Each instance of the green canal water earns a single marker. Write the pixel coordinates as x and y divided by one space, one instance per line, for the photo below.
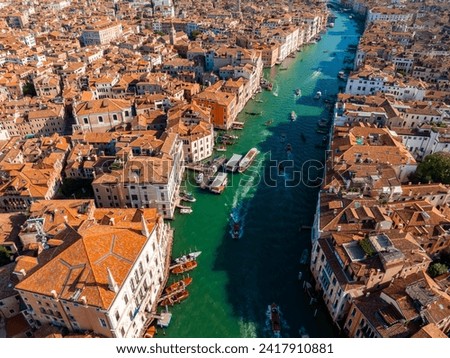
236 280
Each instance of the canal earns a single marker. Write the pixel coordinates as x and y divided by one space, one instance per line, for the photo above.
236 280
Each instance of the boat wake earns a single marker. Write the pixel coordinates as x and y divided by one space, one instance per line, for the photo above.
275 89
316 74
247 329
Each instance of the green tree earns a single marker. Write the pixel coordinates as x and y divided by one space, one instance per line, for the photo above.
5 256
437 269
29 90
435 168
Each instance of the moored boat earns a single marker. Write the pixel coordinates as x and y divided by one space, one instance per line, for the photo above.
275 319
233 162
318 95
185 196
186 210
268 122
252 113
176 298
298 92
199 178
189 257
179 285
247 160
219 183
221 148
187 266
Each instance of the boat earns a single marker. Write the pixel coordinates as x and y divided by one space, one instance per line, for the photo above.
199 178
186 210
298 92
233 162
350 16
236 232
283 68
293 116
175 298
341 75
268 122
221 148
219 183
150 332
259 100
237 125
253 113
187 266
318 95
331 24
247 160
186 258
187 197
179 285
288 147
275 319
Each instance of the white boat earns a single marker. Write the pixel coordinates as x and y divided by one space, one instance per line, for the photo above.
293 116
318 95
232 164
185 210
189 257
199 178
219 183
298 92
331 24
187 197
247 160
341 75
221 148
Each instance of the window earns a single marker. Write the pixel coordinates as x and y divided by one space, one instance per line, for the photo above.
125 298
114 117
117 315
122 332
103 322
85 120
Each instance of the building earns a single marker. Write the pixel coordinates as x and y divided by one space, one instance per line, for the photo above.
101 33
106 278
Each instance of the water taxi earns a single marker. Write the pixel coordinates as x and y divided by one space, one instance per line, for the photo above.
245 162
221 148
275 319
185 196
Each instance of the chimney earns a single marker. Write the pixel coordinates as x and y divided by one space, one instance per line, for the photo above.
83 300
144 229
112 285
111 222
54 294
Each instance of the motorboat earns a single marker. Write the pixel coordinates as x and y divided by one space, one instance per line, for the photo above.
236 231
219 183
221 148
275 319
298 92
187 197
186 258
318 95
199 178
186 210
293 116
245 162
